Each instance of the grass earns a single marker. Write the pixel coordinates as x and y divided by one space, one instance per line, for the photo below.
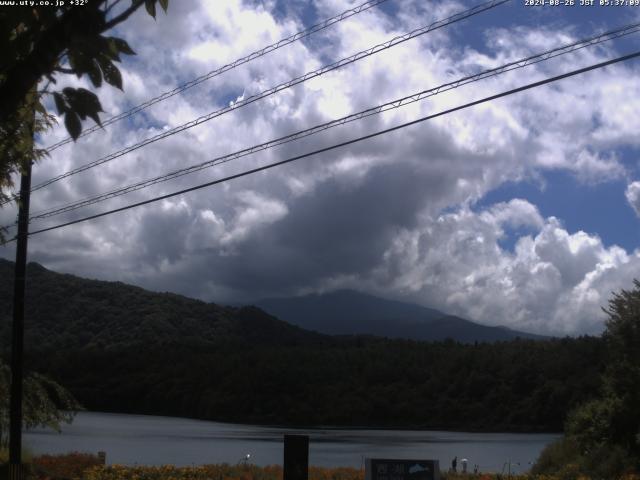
84 466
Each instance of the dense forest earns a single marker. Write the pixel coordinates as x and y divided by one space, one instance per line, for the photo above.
516 386
120 348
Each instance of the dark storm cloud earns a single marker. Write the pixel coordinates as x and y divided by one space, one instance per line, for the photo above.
342 228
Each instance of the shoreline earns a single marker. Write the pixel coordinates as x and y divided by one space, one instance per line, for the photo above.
421 428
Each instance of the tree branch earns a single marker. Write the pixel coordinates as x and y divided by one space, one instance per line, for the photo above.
123 16
108 9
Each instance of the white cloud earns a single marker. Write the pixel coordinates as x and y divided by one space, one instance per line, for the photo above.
254 211
371 213
553 282
633 196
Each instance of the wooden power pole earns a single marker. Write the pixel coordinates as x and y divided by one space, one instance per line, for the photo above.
17 333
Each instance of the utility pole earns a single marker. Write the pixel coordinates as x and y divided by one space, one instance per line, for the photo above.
17 334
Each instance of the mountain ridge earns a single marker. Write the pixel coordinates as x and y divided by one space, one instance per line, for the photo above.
67 311
350 312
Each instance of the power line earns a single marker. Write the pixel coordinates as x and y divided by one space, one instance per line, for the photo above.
397 103
349 142
236 63
265 93
619 32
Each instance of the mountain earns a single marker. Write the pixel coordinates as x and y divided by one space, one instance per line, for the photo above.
68 312
347 312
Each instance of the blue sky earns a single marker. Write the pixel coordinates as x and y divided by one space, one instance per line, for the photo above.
521 212
595 207
600 209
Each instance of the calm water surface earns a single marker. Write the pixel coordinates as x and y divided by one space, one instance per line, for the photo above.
150 440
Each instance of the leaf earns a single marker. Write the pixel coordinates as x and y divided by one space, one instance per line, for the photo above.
60 105
113 77
122 46
112 50
39 107
165 5
95 117
89 45
72 122
95 74
88 104
74 61
111 73
79 62
150 5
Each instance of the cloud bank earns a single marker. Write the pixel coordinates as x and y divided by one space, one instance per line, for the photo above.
397 215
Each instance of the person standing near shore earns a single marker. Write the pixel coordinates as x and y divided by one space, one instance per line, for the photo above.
454 464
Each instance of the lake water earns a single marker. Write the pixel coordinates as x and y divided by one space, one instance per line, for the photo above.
150 440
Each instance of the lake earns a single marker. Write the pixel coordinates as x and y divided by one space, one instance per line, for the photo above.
151 440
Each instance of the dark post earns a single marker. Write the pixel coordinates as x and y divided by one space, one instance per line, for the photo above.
17 341
296 457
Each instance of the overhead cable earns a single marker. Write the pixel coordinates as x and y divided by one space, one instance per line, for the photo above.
343 144
397 103
236 63
265 93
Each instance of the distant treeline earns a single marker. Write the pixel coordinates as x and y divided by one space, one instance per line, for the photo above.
509 386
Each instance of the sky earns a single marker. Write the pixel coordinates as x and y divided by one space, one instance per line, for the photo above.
523 211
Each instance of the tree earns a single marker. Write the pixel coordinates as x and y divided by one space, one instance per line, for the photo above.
41 42
622 377
603 434
45 403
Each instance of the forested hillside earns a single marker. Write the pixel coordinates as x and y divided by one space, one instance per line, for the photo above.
69 312
123 349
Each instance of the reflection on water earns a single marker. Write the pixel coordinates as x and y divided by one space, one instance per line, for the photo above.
149 440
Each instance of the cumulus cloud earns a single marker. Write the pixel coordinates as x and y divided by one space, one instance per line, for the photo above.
633 196
553 282
393 215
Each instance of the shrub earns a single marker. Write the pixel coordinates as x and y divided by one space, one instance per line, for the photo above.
69 465
563 460
556 456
